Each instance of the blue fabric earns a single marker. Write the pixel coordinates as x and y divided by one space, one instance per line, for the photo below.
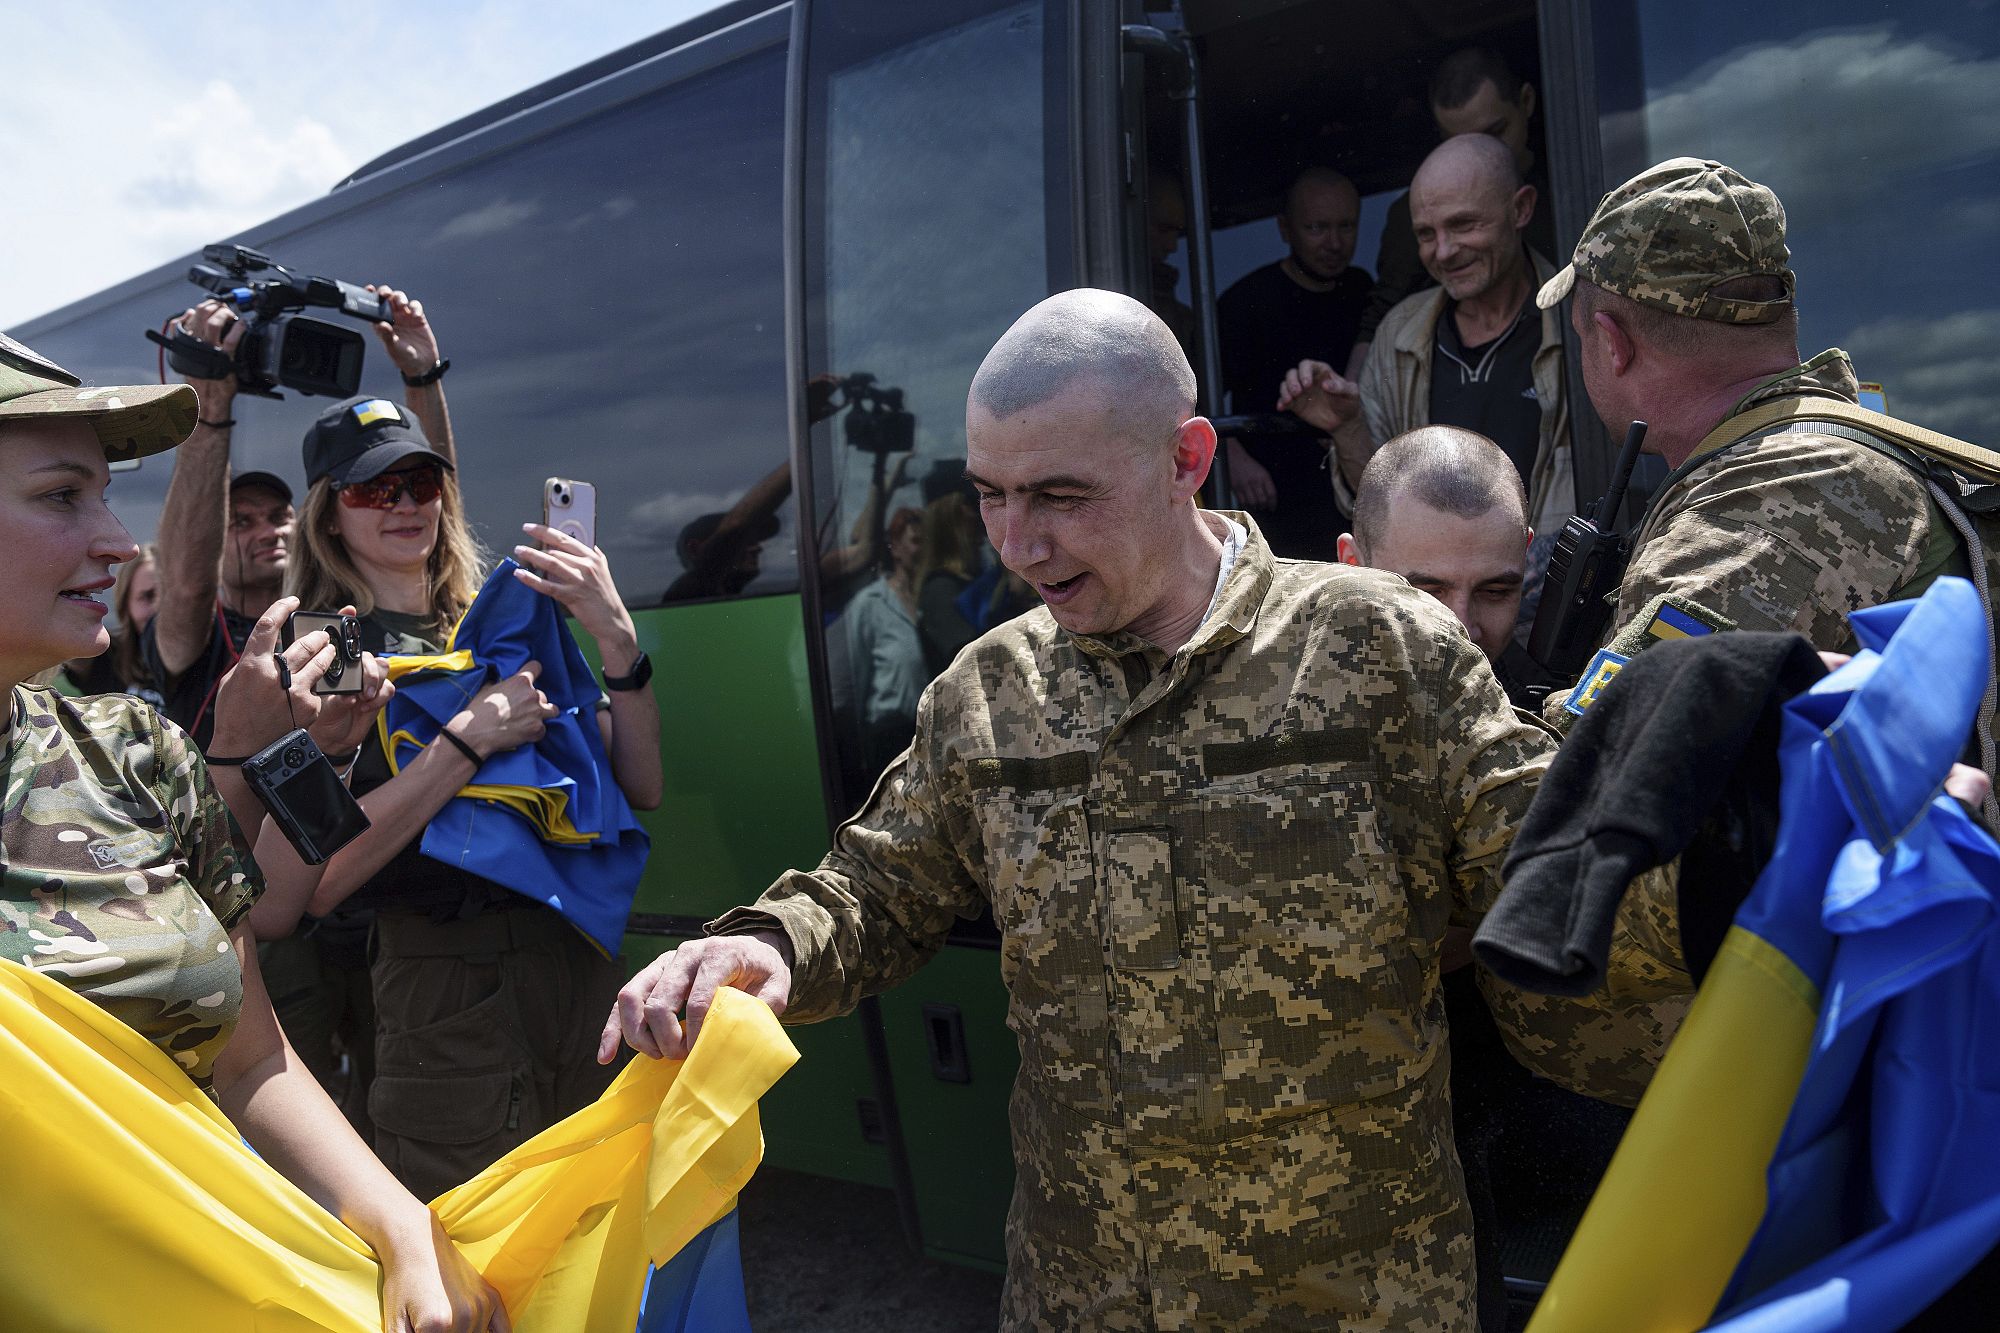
1885 1186
592 885
701 1288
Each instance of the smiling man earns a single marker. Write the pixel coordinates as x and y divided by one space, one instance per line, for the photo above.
1223 808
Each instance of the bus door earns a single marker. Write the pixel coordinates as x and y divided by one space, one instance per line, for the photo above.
932 201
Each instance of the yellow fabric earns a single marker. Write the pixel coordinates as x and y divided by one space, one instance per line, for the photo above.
1686 1187
546 809
402 664
129 1202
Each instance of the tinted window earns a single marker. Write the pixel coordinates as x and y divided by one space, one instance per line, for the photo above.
611 296
931 210
1879 128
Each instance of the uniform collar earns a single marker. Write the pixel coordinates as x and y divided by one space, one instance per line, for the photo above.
1234 612
1828 375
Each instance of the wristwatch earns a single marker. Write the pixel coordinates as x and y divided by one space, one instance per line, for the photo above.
635 679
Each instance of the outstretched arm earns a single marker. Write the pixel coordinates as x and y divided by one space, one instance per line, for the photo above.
196 513
413 347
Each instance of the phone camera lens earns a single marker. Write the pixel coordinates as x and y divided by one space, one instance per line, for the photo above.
295 756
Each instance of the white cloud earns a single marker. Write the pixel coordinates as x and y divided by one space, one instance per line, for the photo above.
141 151
1822 119
1938 372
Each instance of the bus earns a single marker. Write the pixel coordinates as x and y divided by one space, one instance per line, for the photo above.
739 276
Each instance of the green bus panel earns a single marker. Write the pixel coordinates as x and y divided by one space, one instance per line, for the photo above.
743 804
955 1133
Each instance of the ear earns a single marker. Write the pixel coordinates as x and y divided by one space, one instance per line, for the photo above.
1523 205
1349 550
1525 99
1194 453
1285 229
1617 343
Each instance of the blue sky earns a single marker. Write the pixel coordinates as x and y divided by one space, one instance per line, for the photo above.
138 132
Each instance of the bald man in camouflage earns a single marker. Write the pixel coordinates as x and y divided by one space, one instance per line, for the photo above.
1223 808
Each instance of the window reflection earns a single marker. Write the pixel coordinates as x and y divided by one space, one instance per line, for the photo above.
1879 128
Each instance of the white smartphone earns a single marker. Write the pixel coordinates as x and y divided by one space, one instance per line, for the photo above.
570 507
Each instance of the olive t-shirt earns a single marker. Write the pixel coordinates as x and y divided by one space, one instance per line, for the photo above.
121 870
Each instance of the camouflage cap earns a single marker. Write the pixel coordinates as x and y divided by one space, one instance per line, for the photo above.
1673 233
132 421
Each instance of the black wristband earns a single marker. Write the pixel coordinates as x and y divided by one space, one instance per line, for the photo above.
223 424
635 679
464 749
431 376
228 761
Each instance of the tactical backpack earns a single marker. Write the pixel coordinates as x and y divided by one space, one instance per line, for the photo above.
1964 483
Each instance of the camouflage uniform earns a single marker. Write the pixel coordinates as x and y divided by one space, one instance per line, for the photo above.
123 869
1222 878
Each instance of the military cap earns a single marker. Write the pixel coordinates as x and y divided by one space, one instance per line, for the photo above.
1673 233
132 421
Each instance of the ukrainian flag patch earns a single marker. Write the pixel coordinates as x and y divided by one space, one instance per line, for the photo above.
374 410
1670 622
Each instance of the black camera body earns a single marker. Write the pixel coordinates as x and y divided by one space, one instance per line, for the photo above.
344 676
280 345
876 420
306 798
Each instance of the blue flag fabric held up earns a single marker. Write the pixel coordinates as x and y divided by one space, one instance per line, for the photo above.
546 820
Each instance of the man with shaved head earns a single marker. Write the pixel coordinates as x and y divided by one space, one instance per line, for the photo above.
1304 306
1473 351
1222 808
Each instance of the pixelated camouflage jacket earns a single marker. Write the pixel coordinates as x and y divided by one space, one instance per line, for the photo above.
1222 878
123 869
1793 531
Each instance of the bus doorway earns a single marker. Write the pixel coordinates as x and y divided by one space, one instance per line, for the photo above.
1289 93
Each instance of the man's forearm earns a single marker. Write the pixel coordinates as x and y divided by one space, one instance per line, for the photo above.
192 523
426 403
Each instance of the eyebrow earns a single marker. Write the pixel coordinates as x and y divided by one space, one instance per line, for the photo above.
68 468
1508 580
1058 483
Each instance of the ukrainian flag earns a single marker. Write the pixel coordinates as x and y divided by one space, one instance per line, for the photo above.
1820 1149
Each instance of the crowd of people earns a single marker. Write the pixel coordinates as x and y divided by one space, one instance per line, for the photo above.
1234 791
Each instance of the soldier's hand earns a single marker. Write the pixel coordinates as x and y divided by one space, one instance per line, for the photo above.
686 979
1250 479
1319 395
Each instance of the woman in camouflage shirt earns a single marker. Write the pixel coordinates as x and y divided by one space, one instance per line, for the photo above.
122 874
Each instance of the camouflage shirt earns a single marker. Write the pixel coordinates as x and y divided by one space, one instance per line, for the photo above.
1222 878
123 869
1790 532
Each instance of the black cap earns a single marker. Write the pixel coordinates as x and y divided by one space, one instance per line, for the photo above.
270 481
357 439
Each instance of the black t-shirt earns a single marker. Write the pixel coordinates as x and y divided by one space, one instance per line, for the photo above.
1268 324
1490 387
190 699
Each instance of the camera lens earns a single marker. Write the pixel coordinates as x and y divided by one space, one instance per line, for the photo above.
295 756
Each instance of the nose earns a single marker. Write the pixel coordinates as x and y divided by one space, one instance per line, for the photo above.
113 543
1460 605
1019 537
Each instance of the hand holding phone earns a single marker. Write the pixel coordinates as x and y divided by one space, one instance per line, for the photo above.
570 507
345 675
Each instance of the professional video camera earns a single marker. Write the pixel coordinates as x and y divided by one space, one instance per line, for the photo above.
279 345
877 423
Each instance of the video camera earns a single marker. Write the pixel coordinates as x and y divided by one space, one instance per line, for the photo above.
877 423
279 345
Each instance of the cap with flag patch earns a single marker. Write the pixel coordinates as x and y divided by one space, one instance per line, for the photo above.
356 439
131 421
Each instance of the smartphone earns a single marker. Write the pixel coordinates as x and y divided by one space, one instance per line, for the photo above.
306 798
570 507
344 676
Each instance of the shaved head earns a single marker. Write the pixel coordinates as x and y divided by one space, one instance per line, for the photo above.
1471 163
1317 178
1449 469
1102 342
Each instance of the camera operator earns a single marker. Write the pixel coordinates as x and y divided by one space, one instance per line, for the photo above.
225 544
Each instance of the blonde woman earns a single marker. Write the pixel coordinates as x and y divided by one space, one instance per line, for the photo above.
487 1003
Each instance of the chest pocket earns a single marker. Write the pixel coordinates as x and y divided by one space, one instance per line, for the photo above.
1319 989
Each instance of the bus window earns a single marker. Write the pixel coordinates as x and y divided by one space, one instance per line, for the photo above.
930 214
1879 128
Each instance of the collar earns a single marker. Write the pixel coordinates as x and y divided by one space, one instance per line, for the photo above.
1828 375
1230 616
